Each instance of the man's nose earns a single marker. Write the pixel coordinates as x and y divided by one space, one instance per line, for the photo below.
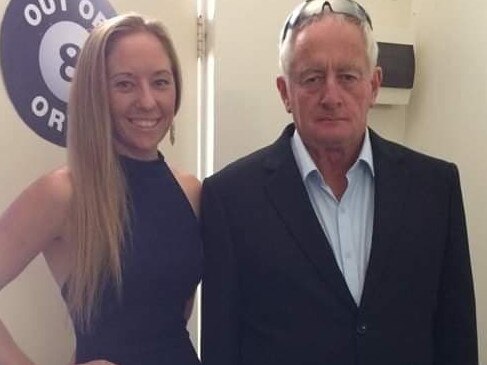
331 92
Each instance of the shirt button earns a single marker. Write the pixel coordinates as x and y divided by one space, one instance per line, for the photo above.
362 329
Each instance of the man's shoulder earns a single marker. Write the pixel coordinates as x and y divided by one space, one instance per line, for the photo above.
382 147
244 168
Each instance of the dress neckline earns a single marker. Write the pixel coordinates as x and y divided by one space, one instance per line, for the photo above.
147 168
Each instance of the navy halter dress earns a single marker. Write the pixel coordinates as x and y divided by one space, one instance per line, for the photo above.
162 266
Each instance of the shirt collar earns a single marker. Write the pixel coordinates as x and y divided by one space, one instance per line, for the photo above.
306 164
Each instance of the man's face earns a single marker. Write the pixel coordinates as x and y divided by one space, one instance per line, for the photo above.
330 85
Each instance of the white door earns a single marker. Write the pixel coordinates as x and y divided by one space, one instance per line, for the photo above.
249 114
31 305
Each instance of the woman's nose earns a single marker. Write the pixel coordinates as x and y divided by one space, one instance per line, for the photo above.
146 99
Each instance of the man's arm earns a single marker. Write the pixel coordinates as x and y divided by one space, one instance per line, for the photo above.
455 320
220 298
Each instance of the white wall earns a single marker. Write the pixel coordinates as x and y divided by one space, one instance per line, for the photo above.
248 108
447 116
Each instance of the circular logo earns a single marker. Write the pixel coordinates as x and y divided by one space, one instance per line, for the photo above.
40 42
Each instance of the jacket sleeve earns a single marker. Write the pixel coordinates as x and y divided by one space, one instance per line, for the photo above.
220 295
455 329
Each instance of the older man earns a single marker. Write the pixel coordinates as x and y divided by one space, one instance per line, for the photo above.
333 245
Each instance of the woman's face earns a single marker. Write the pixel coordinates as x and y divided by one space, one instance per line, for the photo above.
142 94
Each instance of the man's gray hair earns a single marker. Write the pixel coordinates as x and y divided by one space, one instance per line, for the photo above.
286 46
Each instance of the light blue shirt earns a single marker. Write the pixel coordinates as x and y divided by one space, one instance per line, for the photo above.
347 223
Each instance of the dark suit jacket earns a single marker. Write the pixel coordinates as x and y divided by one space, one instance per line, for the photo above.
274 295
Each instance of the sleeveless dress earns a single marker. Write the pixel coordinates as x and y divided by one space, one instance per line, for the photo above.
162 266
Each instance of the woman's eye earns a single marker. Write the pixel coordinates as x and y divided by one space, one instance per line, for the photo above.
124 85
162 83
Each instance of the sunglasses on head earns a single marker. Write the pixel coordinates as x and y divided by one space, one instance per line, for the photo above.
313 7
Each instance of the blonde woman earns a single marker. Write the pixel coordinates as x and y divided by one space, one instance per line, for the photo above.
117 226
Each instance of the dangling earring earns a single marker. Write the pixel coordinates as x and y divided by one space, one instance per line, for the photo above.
172 134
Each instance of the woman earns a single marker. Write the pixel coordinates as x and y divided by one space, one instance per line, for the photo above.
117 227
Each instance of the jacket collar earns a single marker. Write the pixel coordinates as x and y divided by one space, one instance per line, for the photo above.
287 194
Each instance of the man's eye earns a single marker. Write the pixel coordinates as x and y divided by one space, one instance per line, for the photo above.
311 80
348 77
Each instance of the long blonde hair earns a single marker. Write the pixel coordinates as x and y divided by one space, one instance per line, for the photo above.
99 219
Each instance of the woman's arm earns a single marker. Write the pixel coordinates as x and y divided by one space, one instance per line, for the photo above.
192 189
32 224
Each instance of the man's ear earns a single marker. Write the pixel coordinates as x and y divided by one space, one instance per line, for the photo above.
375 81
282 87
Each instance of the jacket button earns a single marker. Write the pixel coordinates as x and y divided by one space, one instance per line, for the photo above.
362 329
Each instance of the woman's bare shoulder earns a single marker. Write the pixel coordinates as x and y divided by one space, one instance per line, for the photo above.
191 187
56 185
51 193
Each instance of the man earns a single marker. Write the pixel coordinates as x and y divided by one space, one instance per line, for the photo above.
333 245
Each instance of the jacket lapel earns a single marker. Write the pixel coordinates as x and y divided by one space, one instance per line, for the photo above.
288 195
391 184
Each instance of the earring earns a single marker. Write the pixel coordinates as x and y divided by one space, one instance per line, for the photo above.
172 134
